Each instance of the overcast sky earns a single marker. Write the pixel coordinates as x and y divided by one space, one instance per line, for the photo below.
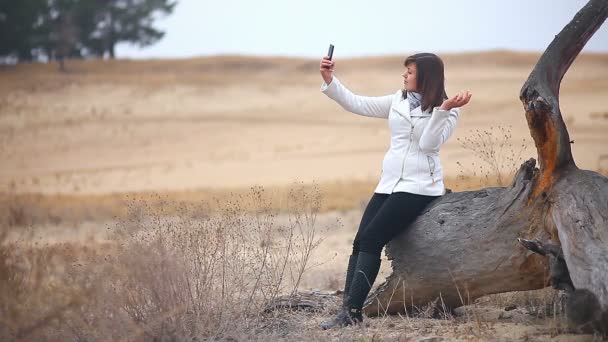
360 27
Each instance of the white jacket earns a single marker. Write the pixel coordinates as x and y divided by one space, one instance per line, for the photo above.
412 162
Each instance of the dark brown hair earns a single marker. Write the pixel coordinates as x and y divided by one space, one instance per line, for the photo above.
430 79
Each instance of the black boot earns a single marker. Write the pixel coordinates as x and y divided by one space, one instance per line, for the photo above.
366 271
343 318
350 271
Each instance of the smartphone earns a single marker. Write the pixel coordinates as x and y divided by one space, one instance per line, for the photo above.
330 53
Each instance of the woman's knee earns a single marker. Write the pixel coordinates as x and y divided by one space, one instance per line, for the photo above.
370 246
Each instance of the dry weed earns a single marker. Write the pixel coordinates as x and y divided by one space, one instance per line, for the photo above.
499 154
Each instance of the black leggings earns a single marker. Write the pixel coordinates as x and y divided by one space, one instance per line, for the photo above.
385 217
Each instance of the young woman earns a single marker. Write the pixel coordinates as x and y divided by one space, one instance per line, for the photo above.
421 118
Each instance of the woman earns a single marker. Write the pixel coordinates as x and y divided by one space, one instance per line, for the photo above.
421 118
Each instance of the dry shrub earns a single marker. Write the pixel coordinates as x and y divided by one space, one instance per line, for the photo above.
598 115
197 275
602 164
35 291
499 154
25 210
15 211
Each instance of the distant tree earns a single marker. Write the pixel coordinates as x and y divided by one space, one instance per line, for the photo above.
66 39
63 30
89 20
60 29
124 21
23 30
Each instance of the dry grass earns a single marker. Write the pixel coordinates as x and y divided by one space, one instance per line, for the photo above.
193 273
198 275
33 209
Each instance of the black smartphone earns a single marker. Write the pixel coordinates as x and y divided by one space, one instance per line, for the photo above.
330 54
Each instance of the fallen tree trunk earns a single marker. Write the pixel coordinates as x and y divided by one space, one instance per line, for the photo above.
465 245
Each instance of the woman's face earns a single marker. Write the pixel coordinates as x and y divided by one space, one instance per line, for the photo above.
409 78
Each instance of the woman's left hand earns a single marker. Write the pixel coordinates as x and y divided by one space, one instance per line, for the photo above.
458 100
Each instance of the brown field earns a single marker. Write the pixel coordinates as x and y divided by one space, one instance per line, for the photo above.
85 150
231 122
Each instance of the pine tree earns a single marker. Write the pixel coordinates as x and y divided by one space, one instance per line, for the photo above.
126 21
59 29
22 28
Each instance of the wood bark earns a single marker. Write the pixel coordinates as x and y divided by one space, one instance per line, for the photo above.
464 245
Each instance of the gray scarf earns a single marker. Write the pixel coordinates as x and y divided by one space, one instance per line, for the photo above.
415 99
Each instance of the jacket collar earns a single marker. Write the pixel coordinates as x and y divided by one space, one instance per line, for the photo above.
403 108
418 112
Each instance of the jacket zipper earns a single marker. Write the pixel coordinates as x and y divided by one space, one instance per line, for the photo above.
431 168
405 157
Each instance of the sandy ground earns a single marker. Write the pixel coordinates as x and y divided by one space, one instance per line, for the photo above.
231 122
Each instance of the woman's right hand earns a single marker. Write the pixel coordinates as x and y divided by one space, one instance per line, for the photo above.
327 68
458 100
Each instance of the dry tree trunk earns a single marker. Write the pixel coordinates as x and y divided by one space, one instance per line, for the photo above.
465 245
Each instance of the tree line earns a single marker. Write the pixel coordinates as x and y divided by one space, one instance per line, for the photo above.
57 29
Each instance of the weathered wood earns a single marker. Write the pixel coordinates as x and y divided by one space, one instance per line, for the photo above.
540 93
580 213
465 245
577 199
559 276
307 301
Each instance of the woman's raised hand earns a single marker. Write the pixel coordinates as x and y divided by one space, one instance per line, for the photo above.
327 67
458 100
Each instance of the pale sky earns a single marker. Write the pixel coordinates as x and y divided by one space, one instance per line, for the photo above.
360 27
